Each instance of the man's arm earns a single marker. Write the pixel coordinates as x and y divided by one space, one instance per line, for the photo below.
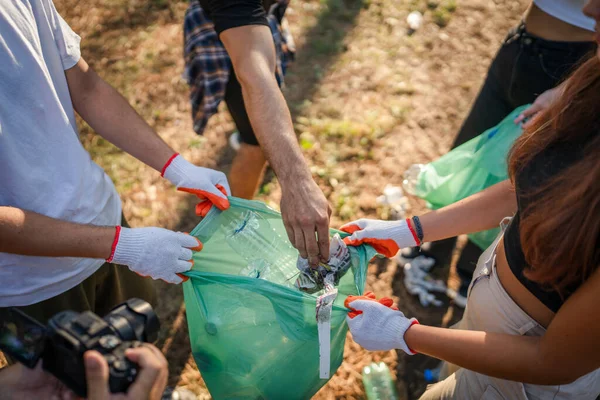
155 252
304 208
29 233
111 116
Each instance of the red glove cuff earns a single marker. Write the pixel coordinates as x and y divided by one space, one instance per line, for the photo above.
414 322
169 161
412 231
114 243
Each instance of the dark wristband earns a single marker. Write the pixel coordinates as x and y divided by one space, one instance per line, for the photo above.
418 228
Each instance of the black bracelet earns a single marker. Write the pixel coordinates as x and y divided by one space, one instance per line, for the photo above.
418 228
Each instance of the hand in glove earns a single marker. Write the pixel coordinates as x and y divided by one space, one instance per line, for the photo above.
377 326
386 301
386 237
155 252
210 186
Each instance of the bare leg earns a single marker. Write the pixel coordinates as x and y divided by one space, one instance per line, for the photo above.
247 171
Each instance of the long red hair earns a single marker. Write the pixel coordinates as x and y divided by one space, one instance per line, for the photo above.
561 228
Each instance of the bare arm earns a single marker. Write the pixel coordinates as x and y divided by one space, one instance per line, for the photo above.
303 205
569 349
479 212
111 116
476 213
32 234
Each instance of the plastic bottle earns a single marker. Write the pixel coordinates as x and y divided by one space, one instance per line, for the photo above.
411 178
268 255
258 269
378 382
394 198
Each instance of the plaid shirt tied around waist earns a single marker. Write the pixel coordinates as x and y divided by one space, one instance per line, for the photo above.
207 64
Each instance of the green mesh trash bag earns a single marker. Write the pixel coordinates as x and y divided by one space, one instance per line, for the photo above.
253 333
470 168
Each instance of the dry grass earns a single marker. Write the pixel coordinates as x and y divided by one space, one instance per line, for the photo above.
367 98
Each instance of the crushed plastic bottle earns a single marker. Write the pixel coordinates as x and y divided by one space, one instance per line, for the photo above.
378 382
263 255
411 178
393 197
314 279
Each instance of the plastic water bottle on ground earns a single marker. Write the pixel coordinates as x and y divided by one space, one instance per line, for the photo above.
378 382
394 198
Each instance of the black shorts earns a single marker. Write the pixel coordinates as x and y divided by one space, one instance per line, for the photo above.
237 109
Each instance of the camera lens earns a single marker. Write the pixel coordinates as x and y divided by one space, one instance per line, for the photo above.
134 320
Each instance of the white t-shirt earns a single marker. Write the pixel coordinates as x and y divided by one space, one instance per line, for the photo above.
569 11
43 166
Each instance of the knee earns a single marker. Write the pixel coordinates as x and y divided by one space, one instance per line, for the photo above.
251 153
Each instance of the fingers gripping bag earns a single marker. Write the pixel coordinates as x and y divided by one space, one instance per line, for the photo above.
251 306
469 168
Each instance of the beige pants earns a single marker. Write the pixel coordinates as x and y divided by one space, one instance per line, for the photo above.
491 309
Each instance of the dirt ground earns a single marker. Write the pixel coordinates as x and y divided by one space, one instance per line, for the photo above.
368 99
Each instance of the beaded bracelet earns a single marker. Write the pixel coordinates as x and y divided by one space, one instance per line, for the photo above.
418 227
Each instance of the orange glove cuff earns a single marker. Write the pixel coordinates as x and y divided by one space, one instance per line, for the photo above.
208 199
369 296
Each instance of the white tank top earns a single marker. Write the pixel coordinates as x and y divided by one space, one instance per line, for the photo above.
568 11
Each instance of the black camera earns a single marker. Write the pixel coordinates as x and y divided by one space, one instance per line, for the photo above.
68 335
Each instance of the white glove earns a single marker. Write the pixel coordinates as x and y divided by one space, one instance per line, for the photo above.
386 237
209 185
155 252
379 328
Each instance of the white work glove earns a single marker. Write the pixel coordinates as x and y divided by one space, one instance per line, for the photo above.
386 237
208 185
155 252
378 327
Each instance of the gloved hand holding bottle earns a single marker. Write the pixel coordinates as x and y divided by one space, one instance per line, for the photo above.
377 325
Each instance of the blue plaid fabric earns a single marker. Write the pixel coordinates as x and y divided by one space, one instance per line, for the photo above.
207 64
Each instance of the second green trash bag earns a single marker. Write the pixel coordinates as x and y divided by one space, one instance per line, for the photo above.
469 169
253 333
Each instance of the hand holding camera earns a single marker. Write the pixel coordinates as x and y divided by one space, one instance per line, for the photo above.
20 382
150 381
89 354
